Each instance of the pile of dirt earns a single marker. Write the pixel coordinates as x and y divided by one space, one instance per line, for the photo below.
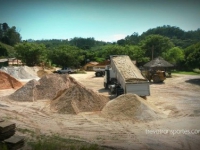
41 73
21 72
8 82
46 88
130 107
78 99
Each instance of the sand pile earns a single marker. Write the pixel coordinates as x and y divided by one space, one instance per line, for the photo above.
130 107
22 72
77 99
41 73
46 88
7 81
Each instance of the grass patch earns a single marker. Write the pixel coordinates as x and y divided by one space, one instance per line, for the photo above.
56 142
186 72
26 131
3 146
80 72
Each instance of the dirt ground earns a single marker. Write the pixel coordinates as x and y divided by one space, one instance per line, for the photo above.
178 98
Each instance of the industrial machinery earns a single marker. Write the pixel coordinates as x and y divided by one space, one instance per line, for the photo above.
99 71
122 77
155 75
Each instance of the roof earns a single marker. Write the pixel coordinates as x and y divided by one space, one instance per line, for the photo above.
92 63
158 62
104 63
4 60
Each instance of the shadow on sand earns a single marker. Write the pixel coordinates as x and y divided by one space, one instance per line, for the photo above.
194 81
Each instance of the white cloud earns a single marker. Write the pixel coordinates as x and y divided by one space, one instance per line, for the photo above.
118 36
112 38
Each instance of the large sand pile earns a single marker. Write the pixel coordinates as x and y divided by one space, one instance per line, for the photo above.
45 88
22 72
130 107
77 99
7 81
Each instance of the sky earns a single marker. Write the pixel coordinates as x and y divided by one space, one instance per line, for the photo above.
105 20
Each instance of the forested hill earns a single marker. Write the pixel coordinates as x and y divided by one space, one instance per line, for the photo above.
178 36
179 47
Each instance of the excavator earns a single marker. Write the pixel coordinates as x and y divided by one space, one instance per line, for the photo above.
156 75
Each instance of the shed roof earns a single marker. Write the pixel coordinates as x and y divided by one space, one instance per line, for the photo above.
3 60
158 62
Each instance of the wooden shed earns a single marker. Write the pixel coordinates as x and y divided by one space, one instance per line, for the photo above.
89 66
4 62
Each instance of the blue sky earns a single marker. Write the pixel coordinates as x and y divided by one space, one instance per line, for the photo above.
106 20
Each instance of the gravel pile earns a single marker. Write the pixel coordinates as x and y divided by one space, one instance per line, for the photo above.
22 72
130 107
45 88
77 99
8 82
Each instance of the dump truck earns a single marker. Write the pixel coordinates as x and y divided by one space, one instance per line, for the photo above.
122 77
99 71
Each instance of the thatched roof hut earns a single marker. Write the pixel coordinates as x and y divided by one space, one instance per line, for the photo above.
158 62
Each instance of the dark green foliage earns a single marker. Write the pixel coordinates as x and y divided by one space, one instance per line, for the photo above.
58 143
133 39
83 43
166 41
174 55
155 45
192 56
9 35
66 56
3 51
30 53
178 36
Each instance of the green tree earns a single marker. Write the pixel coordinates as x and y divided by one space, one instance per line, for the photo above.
132 39
155 45
192 55
3 51
136 53
66 56
30 53
174 55
121 42
82 43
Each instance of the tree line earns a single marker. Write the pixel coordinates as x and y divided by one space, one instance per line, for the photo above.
179 47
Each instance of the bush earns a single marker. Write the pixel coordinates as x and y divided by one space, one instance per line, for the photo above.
56 142
196 70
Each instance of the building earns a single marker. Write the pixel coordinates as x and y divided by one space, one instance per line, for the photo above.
4 62
89 66
10 62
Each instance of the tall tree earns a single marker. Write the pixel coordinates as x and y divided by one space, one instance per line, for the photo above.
155 45
174 55
30 53
193 56
66 56
3 51
9 35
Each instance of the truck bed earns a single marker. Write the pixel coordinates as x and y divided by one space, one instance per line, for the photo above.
125 67
129 76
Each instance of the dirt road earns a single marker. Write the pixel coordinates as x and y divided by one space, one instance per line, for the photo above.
178 98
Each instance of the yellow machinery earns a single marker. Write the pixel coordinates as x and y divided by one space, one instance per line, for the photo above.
155 75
